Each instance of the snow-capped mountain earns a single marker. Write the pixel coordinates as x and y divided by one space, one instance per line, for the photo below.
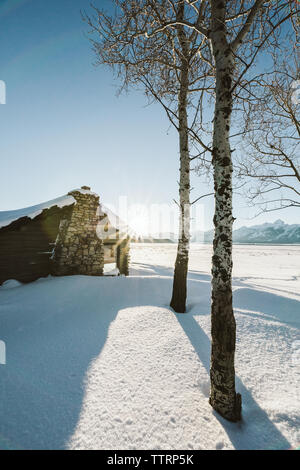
277 232
272 233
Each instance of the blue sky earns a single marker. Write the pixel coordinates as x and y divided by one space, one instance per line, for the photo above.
63 126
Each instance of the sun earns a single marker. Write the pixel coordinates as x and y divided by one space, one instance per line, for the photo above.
139 223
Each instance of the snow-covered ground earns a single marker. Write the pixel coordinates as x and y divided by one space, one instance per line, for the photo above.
103 363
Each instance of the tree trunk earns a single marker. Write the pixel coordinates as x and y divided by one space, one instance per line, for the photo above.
223 397
179 294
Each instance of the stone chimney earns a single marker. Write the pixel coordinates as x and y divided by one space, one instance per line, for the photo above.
78 250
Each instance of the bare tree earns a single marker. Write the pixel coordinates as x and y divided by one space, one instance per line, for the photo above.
239 31
236 31
168 66
231 33
272 137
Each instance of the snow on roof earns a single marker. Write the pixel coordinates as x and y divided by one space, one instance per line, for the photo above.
7 217
85 191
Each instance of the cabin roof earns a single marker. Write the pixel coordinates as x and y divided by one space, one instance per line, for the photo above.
7 217
107 216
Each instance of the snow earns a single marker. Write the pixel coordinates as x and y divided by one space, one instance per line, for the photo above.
10 284
104 363
85 191
7 217
110 269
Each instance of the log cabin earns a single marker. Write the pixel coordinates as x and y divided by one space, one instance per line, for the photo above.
73 234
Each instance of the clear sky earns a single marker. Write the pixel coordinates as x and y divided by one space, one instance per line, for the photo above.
63 126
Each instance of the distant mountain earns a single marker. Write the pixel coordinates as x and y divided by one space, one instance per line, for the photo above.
273 233
270 233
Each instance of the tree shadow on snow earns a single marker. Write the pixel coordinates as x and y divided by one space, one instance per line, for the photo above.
54 329
161 270
255 430
272 306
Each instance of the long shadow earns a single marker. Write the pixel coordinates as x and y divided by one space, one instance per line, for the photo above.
161 270
274 306
256 430
53 329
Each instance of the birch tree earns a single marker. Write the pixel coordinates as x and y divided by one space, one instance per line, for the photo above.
236 32
239 31
167 65
232 34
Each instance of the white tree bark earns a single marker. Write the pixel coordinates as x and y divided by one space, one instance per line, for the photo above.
179 293
223 397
